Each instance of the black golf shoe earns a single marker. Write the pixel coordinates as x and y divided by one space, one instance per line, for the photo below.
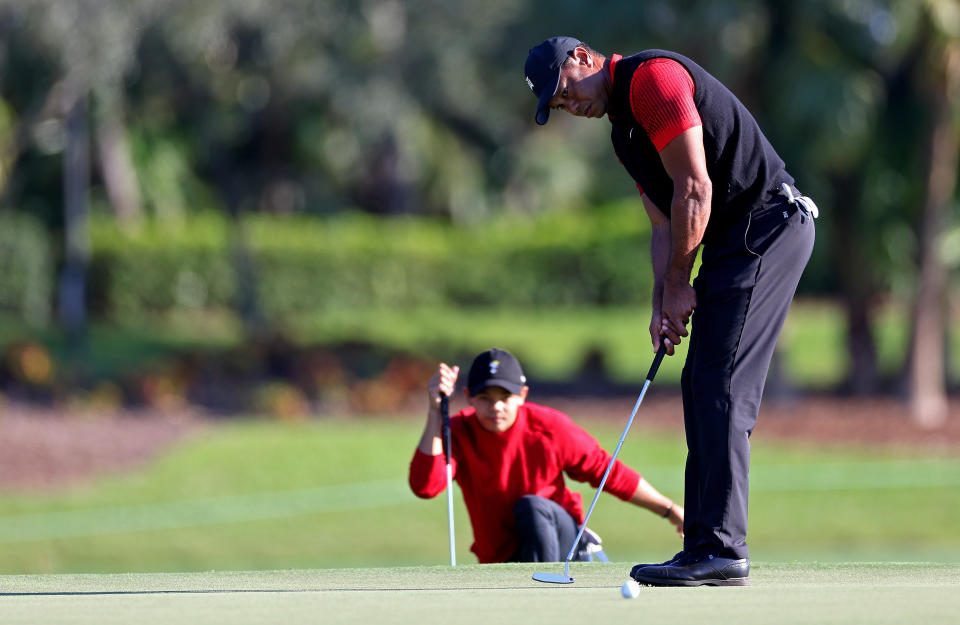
703 570
672 560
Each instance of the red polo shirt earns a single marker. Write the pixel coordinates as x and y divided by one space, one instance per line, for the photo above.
495 469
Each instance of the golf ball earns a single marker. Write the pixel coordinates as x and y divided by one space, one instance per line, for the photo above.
630 589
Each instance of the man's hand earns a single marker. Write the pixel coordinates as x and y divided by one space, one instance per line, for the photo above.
656 332
679 300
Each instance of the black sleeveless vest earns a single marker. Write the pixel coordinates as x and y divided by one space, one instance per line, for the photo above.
745 170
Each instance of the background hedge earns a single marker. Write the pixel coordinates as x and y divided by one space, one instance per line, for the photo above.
298 266
26 268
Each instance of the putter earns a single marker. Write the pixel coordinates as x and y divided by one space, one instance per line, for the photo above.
445 414
557 578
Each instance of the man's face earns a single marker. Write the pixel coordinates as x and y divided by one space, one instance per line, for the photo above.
496 407
581 89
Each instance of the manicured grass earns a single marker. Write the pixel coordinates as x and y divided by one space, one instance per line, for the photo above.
847 594
332 493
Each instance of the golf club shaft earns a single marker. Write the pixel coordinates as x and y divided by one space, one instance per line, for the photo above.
646 384
445 414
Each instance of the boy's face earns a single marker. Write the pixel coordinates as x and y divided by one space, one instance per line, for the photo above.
496 407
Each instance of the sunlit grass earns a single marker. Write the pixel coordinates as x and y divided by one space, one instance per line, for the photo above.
332 493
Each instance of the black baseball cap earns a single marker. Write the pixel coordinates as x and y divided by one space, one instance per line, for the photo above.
542 70
495 367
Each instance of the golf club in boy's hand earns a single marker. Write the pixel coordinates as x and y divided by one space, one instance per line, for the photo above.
557 578
445 415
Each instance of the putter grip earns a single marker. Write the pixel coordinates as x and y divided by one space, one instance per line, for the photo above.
445 415
656 361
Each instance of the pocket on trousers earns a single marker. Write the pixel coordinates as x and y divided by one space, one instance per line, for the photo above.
765 226
732 268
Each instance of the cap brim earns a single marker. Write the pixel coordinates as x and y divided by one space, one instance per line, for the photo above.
513 387
543 106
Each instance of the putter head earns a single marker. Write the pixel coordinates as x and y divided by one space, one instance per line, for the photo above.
552 578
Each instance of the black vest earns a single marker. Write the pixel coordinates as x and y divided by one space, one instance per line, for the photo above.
745 170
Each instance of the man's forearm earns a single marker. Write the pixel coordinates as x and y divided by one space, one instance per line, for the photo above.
660 259
689 216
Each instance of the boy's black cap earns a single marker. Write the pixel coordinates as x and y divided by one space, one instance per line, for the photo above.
542 70
495 367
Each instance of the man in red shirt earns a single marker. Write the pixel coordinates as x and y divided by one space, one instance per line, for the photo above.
509 457
708 177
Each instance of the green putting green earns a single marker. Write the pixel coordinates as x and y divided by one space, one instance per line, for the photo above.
847 593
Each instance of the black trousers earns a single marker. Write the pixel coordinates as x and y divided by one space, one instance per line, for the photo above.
746 282
545 530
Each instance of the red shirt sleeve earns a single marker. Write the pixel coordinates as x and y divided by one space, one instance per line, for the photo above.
428 474
661 98
585 461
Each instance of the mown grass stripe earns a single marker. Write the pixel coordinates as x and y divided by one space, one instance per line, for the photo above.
200 512
788 594
828 476
836 476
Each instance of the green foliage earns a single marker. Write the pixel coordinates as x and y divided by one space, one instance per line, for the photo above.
26 268
552 343
303 266
165 266
289 107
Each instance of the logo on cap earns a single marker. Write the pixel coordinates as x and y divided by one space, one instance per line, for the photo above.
530 84
494 366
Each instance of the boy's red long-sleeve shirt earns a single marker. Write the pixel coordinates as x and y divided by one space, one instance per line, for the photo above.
495 469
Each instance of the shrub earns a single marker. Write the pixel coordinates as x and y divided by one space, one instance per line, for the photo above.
26 268
306 265
162 267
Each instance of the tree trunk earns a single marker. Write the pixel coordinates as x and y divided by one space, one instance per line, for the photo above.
856 283
76 187
927 357
119 174
863 376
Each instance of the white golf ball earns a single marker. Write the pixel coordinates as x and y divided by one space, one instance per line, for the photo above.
630 589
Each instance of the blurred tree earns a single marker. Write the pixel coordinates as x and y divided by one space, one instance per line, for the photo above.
418 106
88 43
76 181
939 88
846 78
